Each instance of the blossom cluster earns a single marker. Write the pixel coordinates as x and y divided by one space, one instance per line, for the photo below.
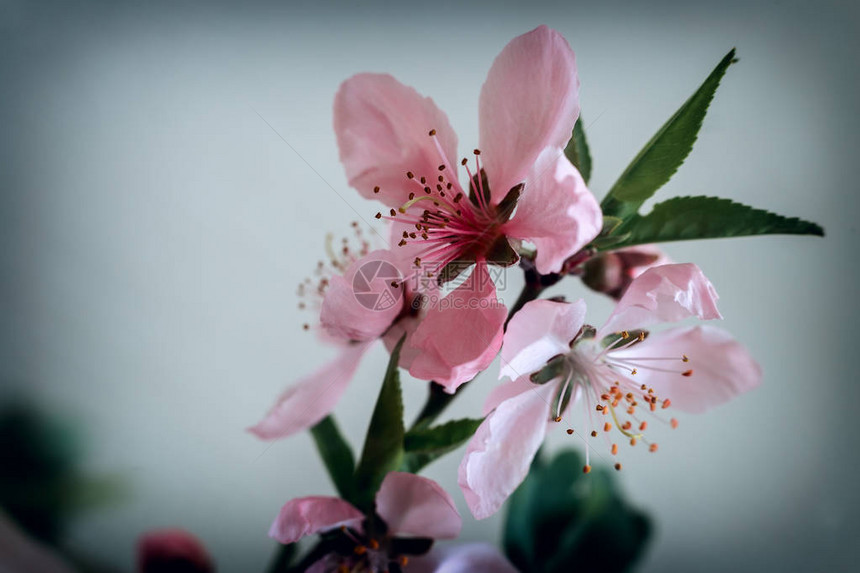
429 295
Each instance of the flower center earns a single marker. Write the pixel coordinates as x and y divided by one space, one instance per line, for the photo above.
612 398
454 228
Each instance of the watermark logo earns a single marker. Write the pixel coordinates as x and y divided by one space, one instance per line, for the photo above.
374 285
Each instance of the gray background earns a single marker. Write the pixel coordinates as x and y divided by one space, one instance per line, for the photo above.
154 229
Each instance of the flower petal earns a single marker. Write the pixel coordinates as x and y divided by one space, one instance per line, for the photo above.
382 131
500 453
540 330
530 101
172 549
667 293
556 212
362 304
461 333
312 398
414 505
462 558
612 272
721 367
308 515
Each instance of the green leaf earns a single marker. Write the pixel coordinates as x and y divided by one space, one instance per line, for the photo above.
577 150
666 151
427 444
560 516
383 447
336 454
686 218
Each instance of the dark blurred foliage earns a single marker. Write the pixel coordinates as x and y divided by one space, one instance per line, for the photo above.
561 520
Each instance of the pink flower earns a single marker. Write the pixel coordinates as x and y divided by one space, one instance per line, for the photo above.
407 504
616 372
172 550
399 148
370 301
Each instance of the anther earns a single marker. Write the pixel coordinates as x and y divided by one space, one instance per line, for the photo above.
643 426
360 550
614 449
586 469
402 243
652 448
666 403
410 175
569 431
306 326
442 167
687 373
376 189
411 196
607 426
404 560
423 180
625 335
394 284
618 467
558 418
464 161
685 358
674 423
374 544
378 215
417 261
393 212
476 151
432 132
633 372
593 433
632 441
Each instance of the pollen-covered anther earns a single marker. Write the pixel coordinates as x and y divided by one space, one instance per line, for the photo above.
374 544
626 425
652 448
432 132
643 426
593 433
666 403
618 467
684 358
632 441
586 469
393 213
614 449
476 151
376 189
569 431
360 550
674 423
687 373
607 426
378 215
404 561
557 418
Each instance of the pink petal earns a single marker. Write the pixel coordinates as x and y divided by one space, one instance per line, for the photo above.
312 398
556 211
461 334
540 330
530 101
722 367
498 456
506 391
414 505
667 293
362 304
462 558
308 515
382 131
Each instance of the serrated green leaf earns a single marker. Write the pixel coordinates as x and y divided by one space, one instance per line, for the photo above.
686 218
383 447
665 152
560 518
427 444
336 454
577 150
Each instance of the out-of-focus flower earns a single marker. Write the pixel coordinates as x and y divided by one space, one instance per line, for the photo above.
172 551
21 554
399 148
615 372
462 558
410 507
613 271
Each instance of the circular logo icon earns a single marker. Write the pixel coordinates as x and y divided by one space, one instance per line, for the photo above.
376 285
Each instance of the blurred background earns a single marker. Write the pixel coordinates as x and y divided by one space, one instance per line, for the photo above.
154 229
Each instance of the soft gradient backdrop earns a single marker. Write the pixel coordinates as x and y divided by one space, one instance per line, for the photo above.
154 229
